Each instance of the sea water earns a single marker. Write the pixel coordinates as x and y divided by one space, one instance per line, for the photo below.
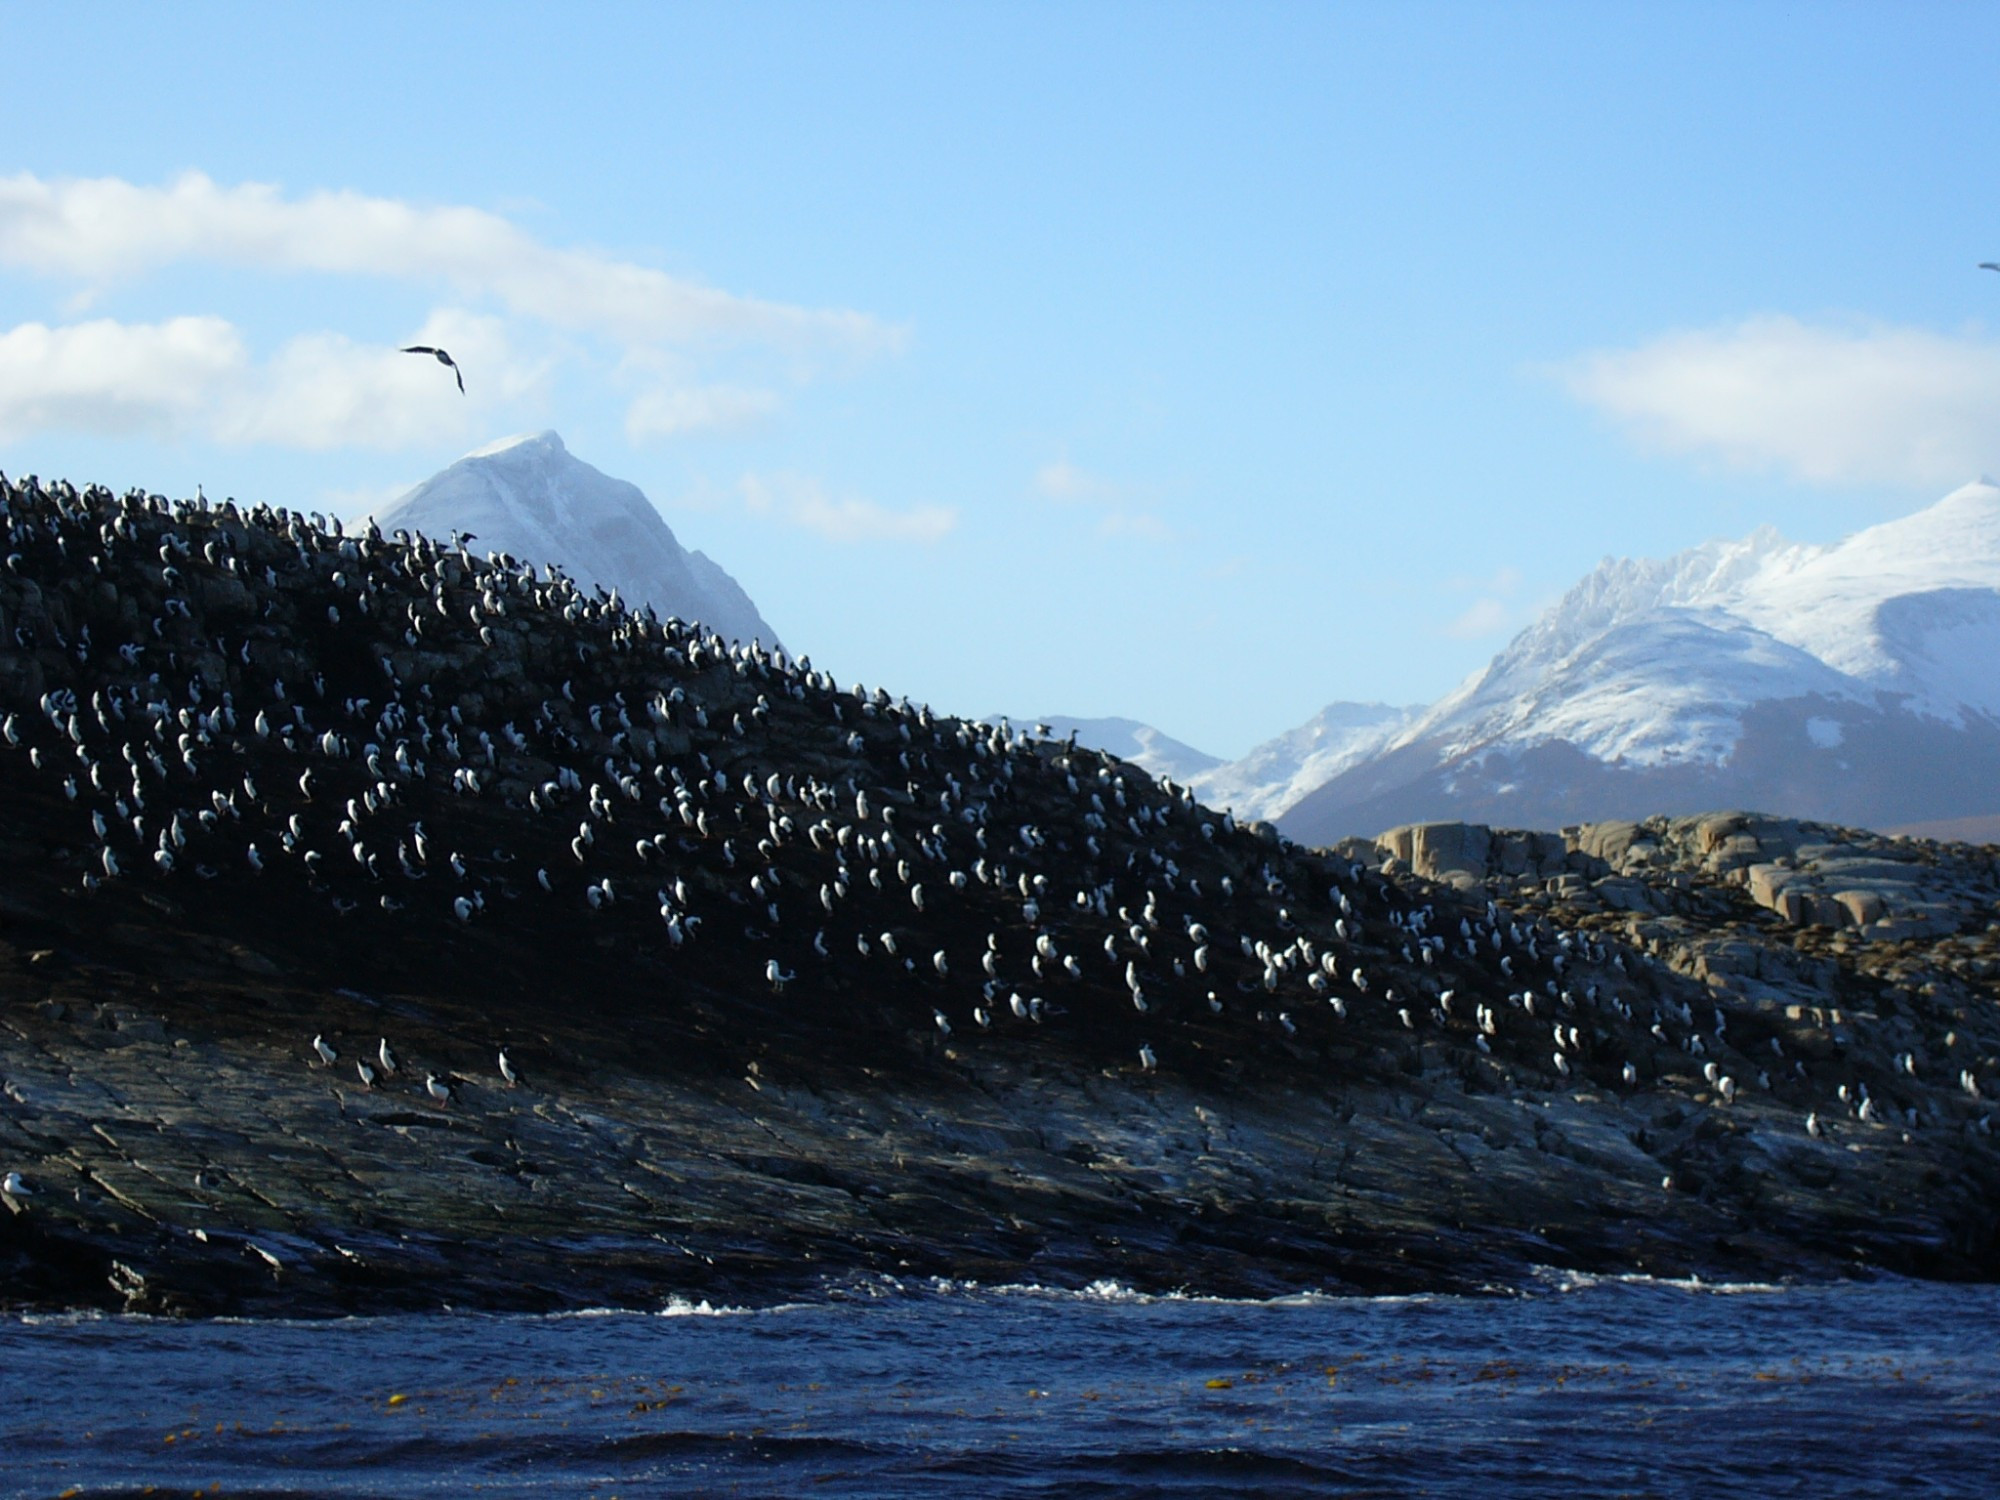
1572 1386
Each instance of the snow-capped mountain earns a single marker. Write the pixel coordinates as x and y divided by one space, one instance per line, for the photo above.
1267 781
1154 752
1858 682
1271 779
531 497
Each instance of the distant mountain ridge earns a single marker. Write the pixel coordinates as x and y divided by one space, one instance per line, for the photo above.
1265 782
1858 681
530 497
1278 774
1157 754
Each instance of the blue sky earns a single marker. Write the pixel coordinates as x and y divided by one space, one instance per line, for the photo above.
1200 364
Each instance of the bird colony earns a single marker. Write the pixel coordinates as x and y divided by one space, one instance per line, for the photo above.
243 706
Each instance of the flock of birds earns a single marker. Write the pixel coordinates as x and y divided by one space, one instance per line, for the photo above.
407 732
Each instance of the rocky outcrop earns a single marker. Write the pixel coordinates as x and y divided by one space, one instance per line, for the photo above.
1858 947
1809 874
800 983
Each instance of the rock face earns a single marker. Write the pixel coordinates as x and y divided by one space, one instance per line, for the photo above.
531 498
799 984
1860 886
1882 951
1851 683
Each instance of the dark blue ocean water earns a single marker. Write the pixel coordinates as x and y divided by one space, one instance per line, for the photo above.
1578 1387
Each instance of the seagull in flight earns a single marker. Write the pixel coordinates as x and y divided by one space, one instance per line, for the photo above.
442 358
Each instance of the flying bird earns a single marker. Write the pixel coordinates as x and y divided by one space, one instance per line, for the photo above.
442 358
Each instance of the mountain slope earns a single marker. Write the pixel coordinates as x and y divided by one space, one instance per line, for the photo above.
531 498
1271 779
1263 784
1855 681
1152 751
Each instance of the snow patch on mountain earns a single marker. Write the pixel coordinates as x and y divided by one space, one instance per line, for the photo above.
1858 680
1651 662
1157 754
1266 783
530 497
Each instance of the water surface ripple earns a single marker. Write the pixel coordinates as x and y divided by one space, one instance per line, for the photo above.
1581 1386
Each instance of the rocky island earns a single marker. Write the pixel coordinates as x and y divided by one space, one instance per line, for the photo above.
301 830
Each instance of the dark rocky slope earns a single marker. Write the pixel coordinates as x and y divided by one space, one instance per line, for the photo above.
755 945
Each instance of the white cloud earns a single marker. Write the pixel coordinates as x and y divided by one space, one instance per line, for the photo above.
101 229
674 412
195 377
321 390
802 501
1873 404
1063 480
114 379
1491 611
1482 617
1121 523
1065 483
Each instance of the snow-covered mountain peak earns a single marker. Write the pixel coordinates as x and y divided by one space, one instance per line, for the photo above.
529 496
1619 665
1796 674
1846 604
547 441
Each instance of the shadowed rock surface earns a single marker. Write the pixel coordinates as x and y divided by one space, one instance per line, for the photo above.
803 982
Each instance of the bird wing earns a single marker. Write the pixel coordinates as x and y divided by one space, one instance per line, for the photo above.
461 376
1987 265
419 349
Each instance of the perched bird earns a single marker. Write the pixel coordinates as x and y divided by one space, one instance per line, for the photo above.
367 1073
326 1054
442 358
507 1068
1146 1058
438 1091
388 1058
16 1187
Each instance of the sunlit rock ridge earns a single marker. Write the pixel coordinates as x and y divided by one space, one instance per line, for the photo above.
1858 681
530 497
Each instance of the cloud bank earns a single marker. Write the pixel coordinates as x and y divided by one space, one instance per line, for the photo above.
801 500
196 376
1066 484
105 229
1829 405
